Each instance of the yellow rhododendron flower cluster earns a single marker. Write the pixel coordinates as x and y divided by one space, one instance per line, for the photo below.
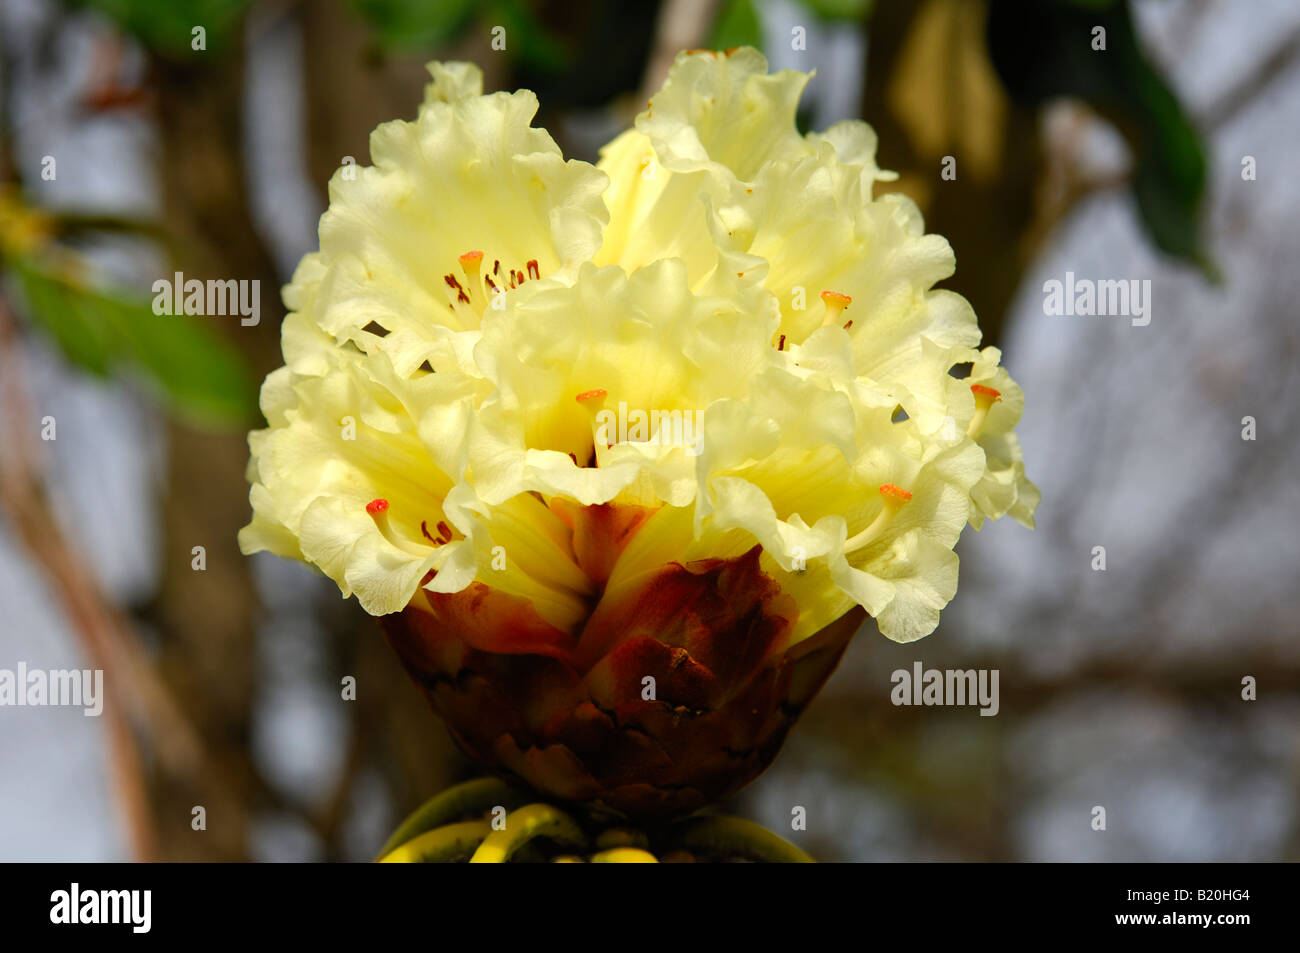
718 328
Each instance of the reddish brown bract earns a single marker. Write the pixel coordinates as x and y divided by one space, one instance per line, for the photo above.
676 695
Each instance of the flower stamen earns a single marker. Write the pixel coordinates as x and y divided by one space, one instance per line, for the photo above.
462 296
894 498
482 287
444 533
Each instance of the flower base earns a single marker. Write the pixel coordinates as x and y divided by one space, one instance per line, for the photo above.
689 703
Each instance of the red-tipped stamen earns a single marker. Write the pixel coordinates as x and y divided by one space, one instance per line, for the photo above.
483 285
444 536
454 283
594 394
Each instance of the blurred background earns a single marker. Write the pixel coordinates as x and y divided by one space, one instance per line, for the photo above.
133 146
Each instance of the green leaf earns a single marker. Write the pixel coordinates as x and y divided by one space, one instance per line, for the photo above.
405 24
83 341
167 26
189 365
526 36
183 361
1043 49
737 25
840 9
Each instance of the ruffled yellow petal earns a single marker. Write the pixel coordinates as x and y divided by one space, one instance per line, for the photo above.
1004 488
719 120
466 202
345 441
725 114
654 212
480 388
601 387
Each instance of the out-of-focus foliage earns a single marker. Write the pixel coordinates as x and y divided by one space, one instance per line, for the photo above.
1040 48
167 25
536 46
945 95
184 362
737 25
401 25
840 9
1043 49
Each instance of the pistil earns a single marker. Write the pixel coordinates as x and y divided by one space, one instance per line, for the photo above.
593 402
470 263
378 510
985 397
481 287
835 305
894 497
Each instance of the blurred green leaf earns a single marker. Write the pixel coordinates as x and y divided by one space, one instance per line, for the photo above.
187 365
840 9
737 25
193 369
1043 49
422 24
83 341
528 37
404 24
167 26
